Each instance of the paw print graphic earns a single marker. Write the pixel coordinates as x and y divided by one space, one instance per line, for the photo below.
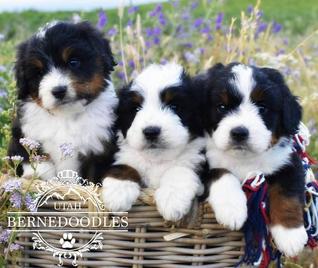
67 241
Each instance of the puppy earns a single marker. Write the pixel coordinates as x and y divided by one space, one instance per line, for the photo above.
65 96
160 143
251 117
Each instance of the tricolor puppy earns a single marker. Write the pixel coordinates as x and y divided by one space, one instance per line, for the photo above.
160 143
65 96
251 117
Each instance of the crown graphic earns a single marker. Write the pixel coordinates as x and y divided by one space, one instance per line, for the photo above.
69 177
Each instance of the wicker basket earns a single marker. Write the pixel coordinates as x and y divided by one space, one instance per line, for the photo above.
198 241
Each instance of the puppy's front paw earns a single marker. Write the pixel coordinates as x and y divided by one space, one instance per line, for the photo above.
119 195
172 205
228 202
289 241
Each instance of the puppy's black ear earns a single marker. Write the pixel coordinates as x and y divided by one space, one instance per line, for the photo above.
215 68
21 81
291 111
108 56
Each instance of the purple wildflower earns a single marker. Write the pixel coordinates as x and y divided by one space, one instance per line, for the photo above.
4 236
14 246
16 199
112 32
276 28
67 150
206 29
186 15
131 64
219 21
3 93
162 19
133 9
129 22
194 5
29 143
121 75
188 45
156 11
149 32
250 9
156 40
156 31
198 22
148 44
38 158
29 202
261 28
163 61
260 14
190 57
12 185
102 20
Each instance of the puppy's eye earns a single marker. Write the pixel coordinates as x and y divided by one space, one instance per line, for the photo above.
74 63
137 108
262 108
222 108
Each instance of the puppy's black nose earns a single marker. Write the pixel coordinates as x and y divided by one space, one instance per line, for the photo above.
152 133
59 92
239 134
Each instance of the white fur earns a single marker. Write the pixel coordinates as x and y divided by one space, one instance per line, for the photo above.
44 170
228 202
119 195
149 84
246 115
54 78
85 127
241 163
259 156
290 241
178 188
169 168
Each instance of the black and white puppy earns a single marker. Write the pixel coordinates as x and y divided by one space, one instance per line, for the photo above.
251 117
160 143
65 96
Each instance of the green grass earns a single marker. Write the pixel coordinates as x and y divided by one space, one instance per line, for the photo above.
297 17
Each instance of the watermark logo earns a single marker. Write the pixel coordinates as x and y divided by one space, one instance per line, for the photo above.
68 218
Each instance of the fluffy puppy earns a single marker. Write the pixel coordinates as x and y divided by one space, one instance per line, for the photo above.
160 143
65 96
251 117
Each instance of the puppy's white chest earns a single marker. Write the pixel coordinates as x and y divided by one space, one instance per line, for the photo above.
84 131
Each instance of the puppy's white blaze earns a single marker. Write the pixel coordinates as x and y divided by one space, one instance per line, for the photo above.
150 82
290 241
247 116
54 78
156 78
119 195
243 81
178 188
228 202
167 120
45 170
52 130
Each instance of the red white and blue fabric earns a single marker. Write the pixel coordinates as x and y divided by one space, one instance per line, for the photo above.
259 247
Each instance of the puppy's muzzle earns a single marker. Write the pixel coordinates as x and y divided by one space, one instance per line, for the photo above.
152 133
59 92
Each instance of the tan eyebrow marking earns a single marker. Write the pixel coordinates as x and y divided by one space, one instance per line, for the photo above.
66 53
37 63
257 95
